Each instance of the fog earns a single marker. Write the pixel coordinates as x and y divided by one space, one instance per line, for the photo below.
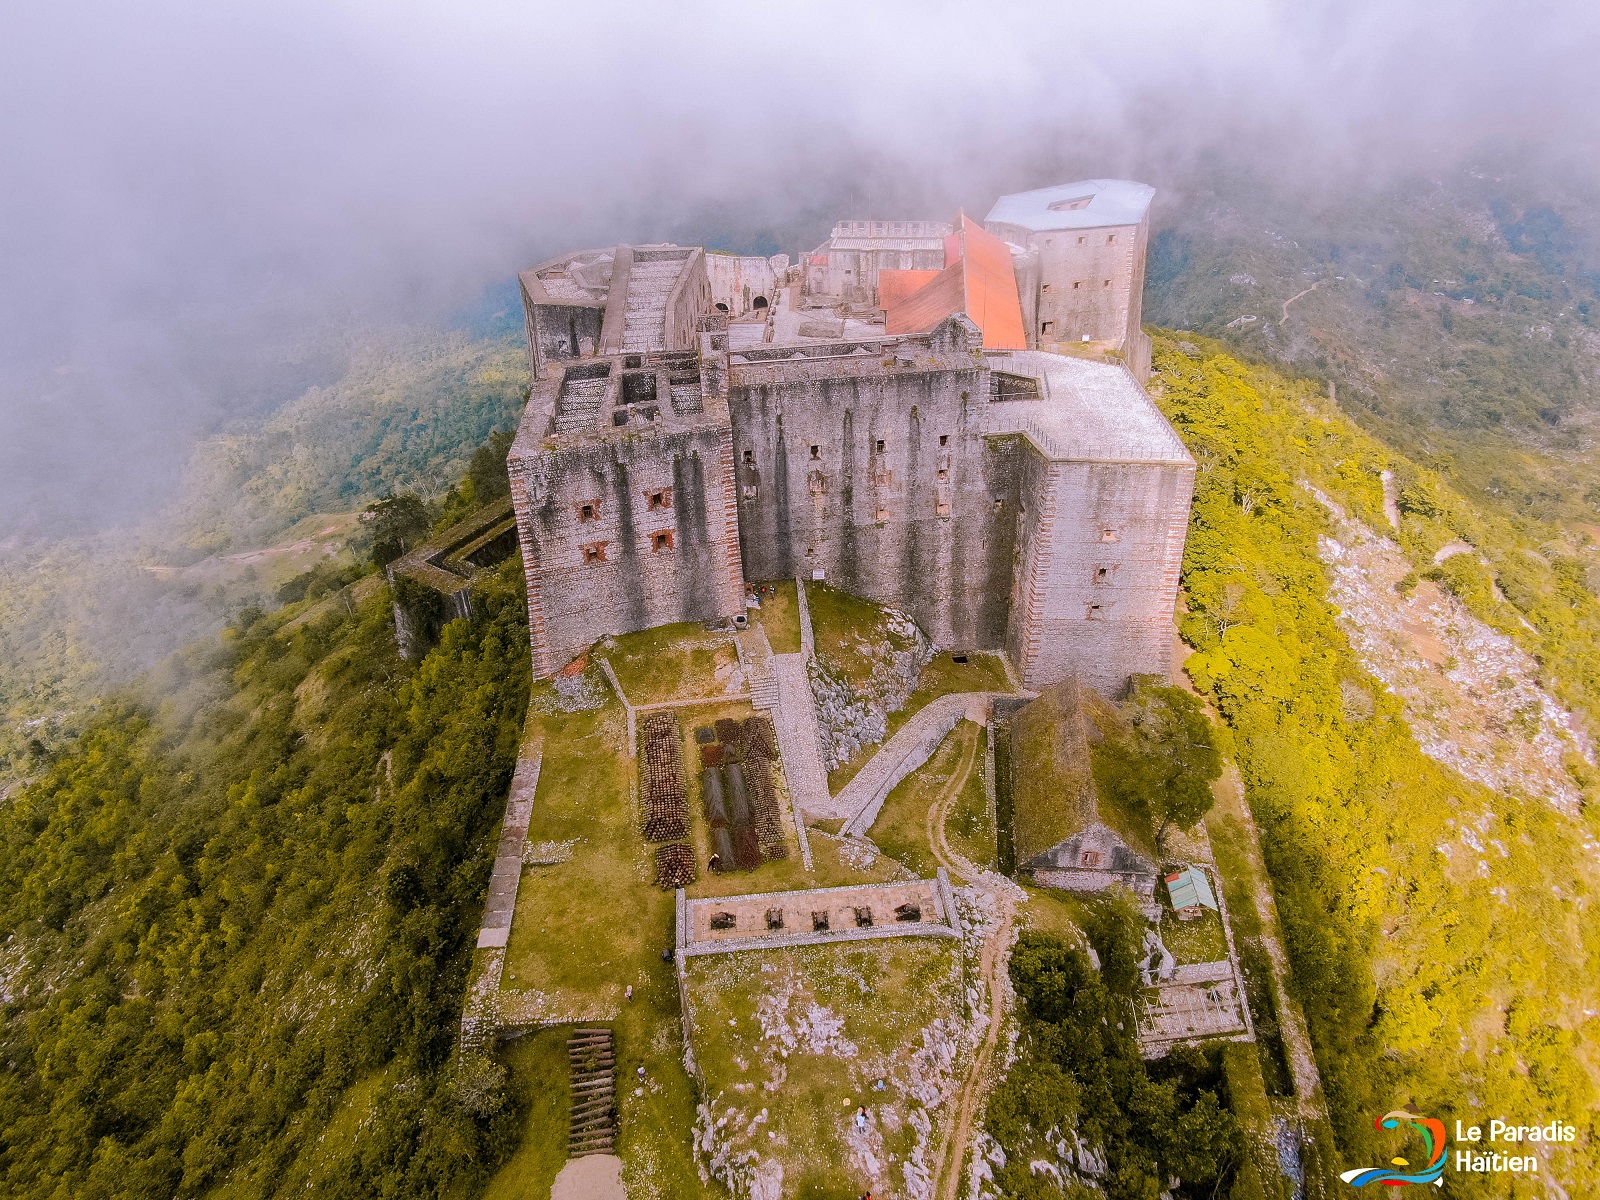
199 202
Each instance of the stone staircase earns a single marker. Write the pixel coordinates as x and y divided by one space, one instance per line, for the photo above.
592 1064
644 318
758 670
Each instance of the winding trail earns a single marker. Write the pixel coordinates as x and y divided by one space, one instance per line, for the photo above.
953 1145
1295 297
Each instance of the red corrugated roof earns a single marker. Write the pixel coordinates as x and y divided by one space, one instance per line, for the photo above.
979 282
992 300
896 286
935 300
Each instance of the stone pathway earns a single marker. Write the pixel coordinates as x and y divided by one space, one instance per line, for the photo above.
910 747
755 655
591 1121
592 1177
502 902
795 719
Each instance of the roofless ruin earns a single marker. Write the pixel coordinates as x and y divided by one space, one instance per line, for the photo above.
949 419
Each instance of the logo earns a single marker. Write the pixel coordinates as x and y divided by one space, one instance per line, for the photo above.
1433 1138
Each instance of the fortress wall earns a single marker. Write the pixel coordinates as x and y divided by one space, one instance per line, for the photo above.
922 526
572 602
555 332
1126 520
736 280
1090 308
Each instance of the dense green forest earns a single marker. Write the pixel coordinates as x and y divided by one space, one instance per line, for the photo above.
1081 1069
1427 975
237 925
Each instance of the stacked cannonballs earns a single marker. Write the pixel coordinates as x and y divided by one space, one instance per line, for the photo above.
675 865
665 798
737 792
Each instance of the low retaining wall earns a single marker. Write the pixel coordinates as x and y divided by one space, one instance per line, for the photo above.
911 746
933 896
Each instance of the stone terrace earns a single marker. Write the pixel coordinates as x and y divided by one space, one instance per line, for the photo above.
748 930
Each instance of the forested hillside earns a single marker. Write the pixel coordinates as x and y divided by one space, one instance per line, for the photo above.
1458 312
1440 933
87 614
235 928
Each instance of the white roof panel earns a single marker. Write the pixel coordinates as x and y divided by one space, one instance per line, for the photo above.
1087 204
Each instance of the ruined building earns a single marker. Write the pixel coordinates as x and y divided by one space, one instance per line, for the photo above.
681 439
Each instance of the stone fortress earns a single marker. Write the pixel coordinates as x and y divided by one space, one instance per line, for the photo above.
946 418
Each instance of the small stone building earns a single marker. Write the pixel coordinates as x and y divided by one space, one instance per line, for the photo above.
1062 834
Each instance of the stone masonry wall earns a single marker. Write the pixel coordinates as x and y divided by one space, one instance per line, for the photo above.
1099 571
884 482
631 578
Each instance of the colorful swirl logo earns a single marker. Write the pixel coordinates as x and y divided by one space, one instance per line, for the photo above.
1433 1137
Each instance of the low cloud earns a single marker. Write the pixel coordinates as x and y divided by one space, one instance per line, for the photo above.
196 201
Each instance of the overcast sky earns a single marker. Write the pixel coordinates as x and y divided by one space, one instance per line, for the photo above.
188 189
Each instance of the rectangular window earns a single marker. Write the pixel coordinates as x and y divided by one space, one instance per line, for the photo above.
594 552
1103 574
880 445
816 453
1110 237
1076 284
661 498
1047 327
1107 283
1110 535
1096 612
1045 288
589 511
661 541
944 439
1082 240
749 456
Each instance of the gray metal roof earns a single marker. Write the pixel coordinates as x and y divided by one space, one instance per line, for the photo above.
1109 202
1088 412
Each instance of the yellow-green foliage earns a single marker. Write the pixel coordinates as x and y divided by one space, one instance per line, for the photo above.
1430 972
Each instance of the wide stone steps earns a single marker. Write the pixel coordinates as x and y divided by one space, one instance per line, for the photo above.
591 1119
644 314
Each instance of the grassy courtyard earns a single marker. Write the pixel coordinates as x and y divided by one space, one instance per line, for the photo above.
792 1042
673 662
588 927
779 615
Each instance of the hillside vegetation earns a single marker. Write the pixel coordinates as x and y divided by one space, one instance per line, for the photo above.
82 616
235 930
1439 932
1458 313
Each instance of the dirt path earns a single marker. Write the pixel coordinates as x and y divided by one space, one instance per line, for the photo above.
1295 297
953 1146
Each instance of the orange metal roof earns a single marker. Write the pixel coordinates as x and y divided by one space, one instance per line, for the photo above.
895 286
934 301
979 282
992 300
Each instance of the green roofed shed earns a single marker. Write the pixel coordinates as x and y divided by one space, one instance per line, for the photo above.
1190 891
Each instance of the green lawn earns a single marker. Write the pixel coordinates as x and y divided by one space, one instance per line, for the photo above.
943 676
672 662
588 927
901 828
1200 940
537 1075
843 625
1049 910
780 617
970 825
789 1079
